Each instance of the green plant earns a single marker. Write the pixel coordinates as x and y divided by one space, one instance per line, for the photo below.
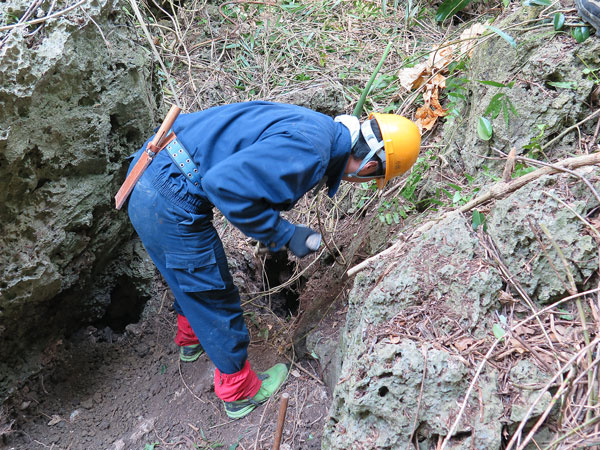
389 212
563 84
511 41
536 3
458 197
450 7
478 220
500 103
488 173
521 169
558 21
484 129
580 33
535 143
456 90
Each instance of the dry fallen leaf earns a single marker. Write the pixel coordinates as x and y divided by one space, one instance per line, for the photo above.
467 38
506 299
463 344
432 109
409 77
431 75
524 330
54 420
518 346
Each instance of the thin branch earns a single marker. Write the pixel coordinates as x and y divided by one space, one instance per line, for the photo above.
43 19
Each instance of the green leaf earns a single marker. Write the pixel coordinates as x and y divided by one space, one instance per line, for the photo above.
511 106
478 220
495 105
457 197
449 8
536 3
565 314
454 95
559 21
498 331
503 35
521 170
491 83
563 84
505 114
484 129
580 33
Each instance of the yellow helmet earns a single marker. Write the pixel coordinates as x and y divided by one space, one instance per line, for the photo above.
401 142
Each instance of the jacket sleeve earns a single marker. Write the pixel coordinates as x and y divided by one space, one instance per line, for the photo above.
251 186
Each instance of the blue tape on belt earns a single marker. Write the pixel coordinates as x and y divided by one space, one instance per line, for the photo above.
183 160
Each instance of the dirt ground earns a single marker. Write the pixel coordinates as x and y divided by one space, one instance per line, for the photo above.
129 391
126 389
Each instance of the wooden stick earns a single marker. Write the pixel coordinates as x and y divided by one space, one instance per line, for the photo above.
145 159
281 420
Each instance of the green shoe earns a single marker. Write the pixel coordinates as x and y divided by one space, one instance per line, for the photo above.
589 10
189 353
272 380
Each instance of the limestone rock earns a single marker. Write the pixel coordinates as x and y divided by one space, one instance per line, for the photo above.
515 226
549 94
77 96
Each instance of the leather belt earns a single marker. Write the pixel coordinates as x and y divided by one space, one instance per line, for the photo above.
137 172
178 154
158 142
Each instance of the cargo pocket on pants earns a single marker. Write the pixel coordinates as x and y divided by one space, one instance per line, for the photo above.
196 272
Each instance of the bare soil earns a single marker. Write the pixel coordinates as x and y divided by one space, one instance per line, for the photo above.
130 391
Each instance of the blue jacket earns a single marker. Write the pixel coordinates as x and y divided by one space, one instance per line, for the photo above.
256 159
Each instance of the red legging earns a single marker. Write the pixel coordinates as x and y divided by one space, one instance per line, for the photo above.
228 387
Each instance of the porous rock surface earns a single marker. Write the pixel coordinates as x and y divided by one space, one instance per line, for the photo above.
550 92
77 96
411 317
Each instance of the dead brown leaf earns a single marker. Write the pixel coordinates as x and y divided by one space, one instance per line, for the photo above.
463 343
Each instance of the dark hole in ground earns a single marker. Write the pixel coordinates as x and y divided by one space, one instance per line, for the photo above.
383 390
125 307
278 270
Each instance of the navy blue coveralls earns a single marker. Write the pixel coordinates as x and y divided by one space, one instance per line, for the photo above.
256 159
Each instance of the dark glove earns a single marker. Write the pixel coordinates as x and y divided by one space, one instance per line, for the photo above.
297 243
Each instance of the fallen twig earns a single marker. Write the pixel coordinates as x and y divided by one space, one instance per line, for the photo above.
517 434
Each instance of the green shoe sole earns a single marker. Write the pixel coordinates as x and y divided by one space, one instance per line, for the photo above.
190 353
